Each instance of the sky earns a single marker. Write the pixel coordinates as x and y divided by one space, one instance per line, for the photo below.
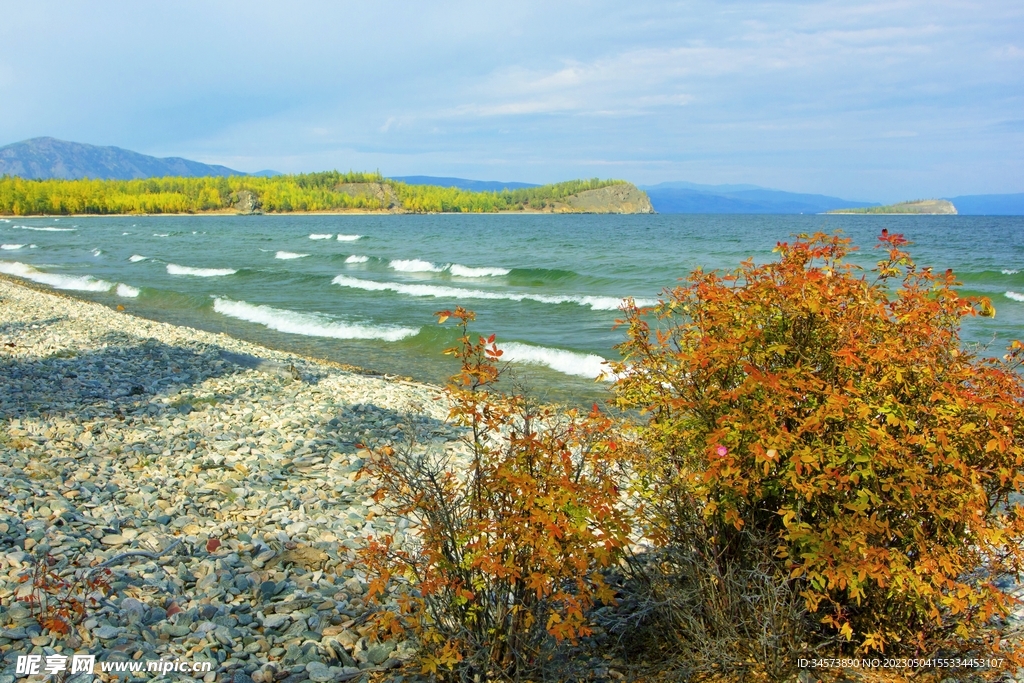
870 100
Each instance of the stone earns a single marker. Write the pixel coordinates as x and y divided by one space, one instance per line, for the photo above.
107 632
276 621
318 672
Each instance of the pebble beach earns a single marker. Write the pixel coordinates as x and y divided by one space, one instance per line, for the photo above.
216 479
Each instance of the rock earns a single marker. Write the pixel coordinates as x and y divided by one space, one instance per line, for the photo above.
113 540
245 202
106 632
319 672
378 653
276 621
176 630
241 677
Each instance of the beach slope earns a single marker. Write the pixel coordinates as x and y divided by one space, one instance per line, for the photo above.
236 462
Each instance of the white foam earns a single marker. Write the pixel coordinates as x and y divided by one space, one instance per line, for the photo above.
467 271
308 324
348 238
599 303
415 265
1015 296
125 233
1007 271
173 269
11 247
48 229
357 259
317 236
161 234
97 252
135 258
566 362
84 283
126 290
5 220
286 255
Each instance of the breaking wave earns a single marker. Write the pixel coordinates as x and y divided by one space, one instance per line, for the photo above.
415 265
135 258
1015 296
308 324
597 303
357 259
287 255
47 229
318 236
567 362
127 290
173 269
82 283
467 271
348 238
11 247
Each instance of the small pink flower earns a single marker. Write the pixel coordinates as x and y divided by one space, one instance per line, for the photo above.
722 451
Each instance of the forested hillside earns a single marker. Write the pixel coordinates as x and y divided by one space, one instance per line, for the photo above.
327 191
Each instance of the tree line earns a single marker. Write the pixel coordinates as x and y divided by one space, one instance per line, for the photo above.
326 191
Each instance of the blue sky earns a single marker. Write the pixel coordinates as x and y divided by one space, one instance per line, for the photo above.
866 100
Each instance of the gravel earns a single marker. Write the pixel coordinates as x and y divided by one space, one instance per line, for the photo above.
120 436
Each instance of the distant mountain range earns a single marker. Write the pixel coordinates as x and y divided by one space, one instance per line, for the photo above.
680 197
52 158
462 183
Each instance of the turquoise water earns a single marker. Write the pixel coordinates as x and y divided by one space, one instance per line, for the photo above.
363 289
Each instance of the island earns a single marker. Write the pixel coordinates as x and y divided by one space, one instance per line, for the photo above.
920 207
326 192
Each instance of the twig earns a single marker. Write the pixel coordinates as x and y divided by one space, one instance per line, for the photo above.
117 559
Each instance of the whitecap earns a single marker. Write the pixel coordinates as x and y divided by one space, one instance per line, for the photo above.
135 258
84 283
5 220
173 269
565 362
467 271
308 324
161 234
11 247
357 259
1008 271
125 233
289 255
598 303
127 290
348 238
317 236
47 229
415 265
1015 296
97 252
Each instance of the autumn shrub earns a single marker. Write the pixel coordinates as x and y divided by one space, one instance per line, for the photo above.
826 467
510 534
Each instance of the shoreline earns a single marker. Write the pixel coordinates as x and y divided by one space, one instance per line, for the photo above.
118 433
350 212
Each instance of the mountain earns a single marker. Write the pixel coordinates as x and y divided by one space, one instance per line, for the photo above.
990 204
462 183
682 197
52 158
